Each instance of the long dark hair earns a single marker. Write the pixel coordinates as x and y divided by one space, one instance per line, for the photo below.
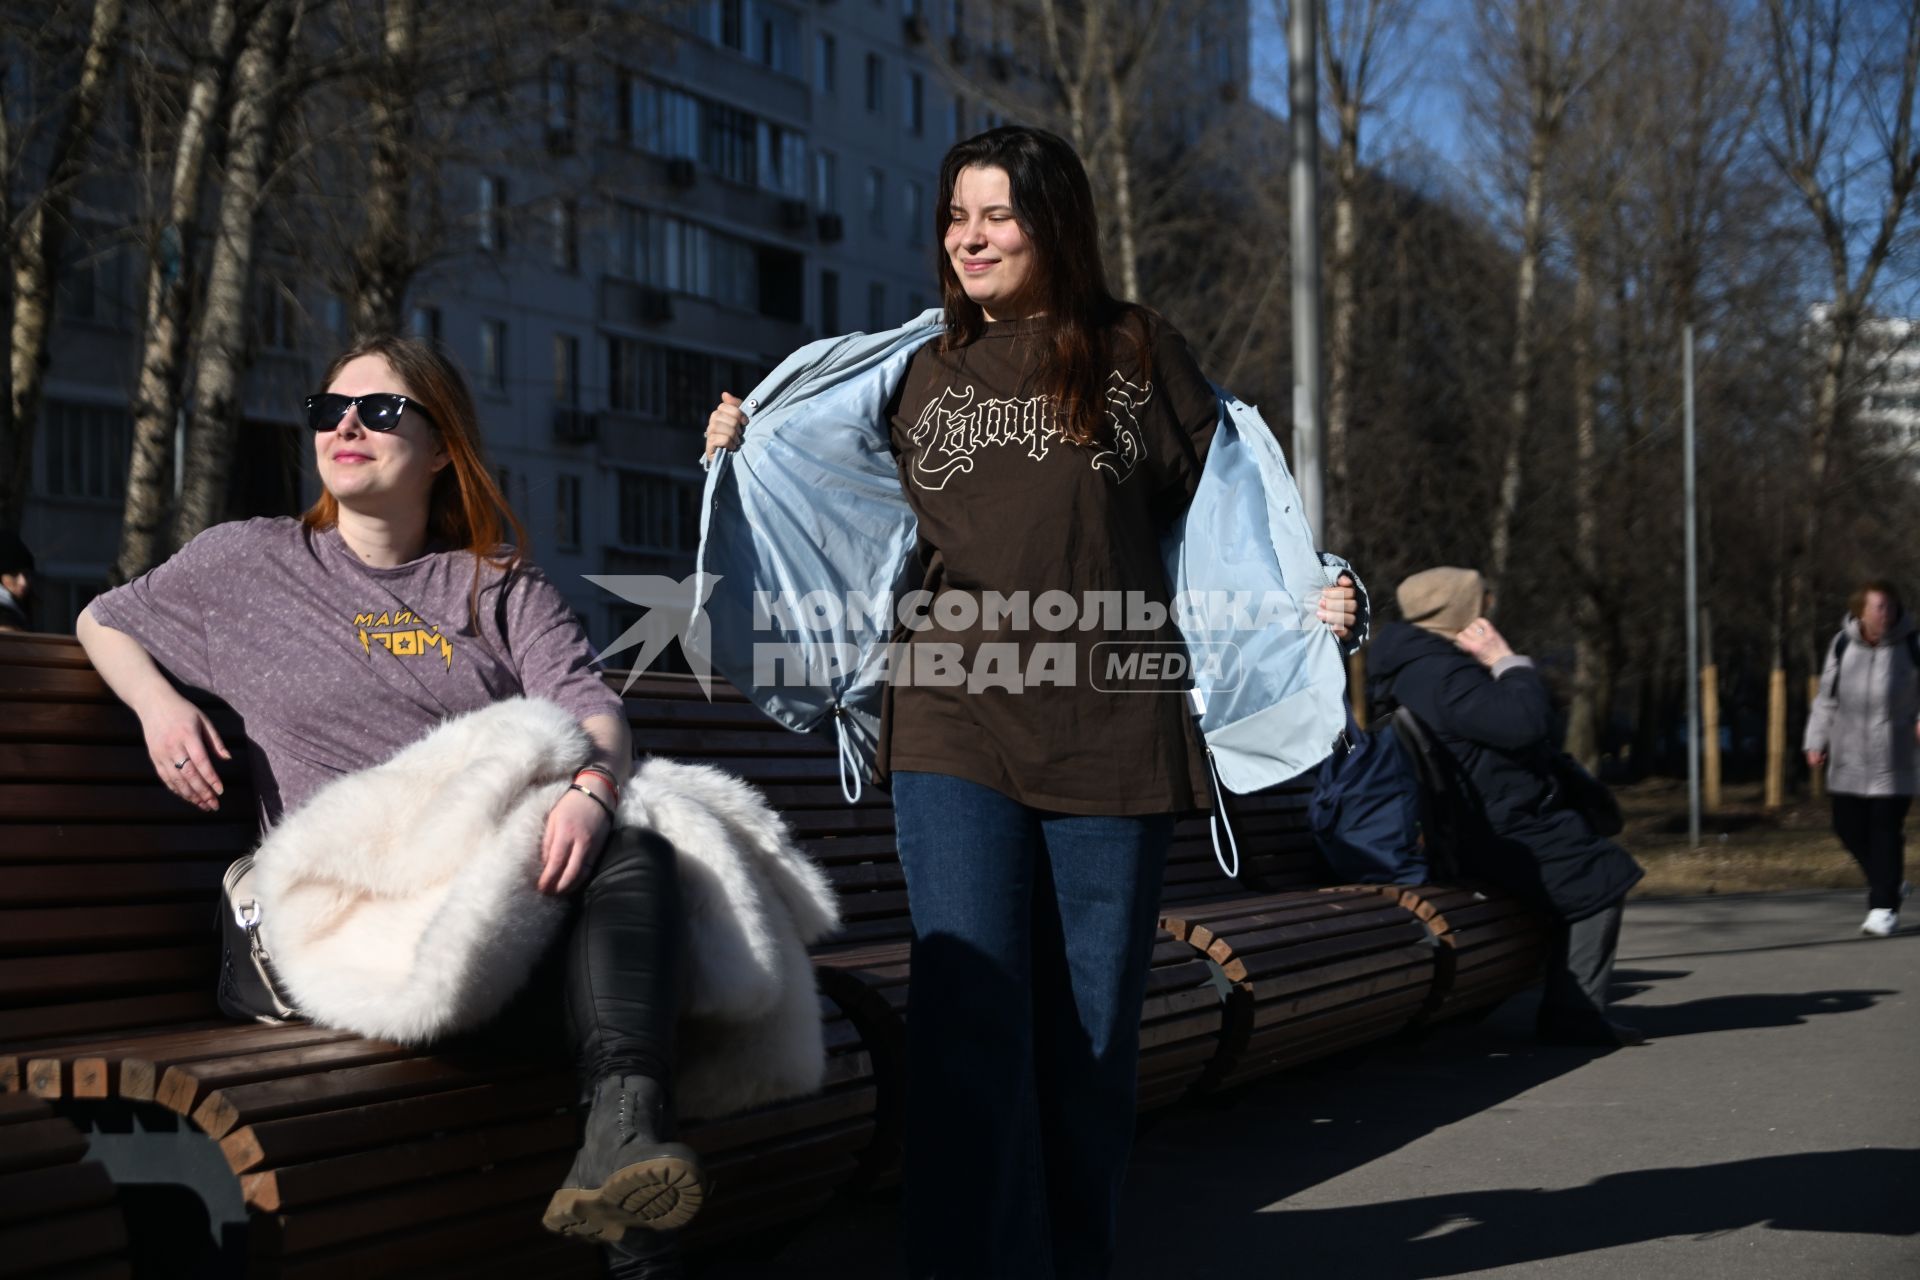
1053 203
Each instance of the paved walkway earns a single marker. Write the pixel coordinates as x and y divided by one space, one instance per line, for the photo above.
1771 1132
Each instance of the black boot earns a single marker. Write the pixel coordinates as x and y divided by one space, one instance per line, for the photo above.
645 1255
625 968
627 1174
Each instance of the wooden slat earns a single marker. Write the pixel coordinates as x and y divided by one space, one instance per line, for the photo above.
184 1086
50 929
37 1192
226 1109
34 1144
90 1017
204 838
117 882
126 802
142 1067
390 1166
105 972
305 1138
36 1247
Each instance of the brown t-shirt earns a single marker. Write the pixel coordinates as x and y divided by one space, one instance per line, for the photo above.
335 665
1040 711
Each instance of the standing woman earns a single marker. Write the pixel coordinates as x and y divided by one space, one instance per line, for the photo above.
1864 726
1044 442
340 637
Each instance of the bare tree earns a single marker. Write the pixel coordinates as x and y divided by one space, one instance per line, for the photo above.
156 398
1540 54
259 88
35 249
1362 69
1844 80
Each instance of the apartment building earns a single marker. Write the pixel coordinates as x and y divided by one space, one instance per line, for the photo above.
697 211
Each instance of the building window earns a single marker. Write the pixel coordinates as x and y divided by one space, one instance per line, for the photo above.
876 83
876 307
276 315
914 209
826 182
956 17
658 513
93 285
733 24
957 119
493 356
826 56
661 120
726 142
562 104
783 160
566 513
83 450
566 370
778 43
876 202
565 216
491 218
636 378
916 103
424 323
830 302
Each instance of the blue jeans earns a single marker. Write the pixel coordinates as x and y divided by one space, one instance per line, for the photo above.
1032 935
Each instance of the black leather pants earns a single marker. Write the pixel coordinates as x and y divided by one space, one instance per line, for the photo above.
625 960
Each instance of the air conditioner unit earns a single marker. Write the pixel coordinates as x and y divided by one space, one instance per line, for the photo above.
574 426
832 227
793 214
680 171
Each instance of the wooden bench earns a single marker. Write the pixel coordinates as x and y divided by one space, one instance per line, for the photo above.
352 1154
58 1215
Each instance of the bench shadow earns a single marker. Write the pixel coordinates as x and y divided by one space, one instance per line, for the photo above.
1857 1192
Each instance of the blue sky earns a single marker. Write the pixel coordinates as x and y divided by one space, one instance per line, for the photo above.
1425 112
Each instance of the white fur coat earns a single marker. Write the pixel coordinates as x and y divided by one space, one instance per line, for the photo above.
399 902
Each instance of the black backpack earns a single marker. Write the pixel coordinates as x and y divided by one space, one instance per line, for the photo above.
1449 819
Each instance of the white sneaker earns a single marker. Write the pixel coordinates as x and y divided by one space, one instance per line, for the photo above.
1880 922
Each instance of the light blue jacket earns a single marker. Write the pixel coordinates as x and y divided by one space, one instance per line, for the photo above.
811 502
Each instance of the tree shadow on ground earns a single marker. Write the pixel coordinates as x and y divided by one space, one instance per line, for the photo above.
1859 1192
1745 1012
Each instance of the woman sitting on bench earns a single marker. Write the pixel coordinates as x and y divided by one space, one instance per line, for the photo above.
340 637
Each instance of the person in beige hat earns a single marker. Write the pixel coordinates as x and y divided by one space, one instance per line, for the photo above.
1450 666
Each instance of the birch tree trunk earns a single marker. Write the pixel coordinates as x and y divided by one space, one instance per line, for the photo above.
221 341
1589 676
384 259
34 268
156 398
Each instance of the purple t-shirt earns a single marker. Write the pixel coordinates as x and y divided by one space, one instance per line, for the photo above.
335 665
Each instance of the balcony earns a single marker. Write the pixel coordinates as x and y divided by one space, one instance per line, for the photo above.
574 426
627 302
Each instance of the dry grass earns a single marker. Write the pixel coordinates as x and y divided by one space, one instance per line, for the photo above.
1743 848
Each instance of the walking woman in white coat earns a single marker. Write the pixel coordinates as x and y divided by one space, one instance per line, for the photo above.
1864 727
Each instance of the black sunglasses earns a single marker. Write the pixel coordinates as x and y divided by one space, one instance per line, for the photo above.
378 412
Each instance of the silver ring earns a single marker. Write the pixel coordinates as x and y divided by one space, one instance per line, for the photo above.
181 763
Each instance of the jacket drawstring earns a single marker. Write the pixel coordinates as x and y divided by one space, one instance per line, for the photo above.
849 758
1219 820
